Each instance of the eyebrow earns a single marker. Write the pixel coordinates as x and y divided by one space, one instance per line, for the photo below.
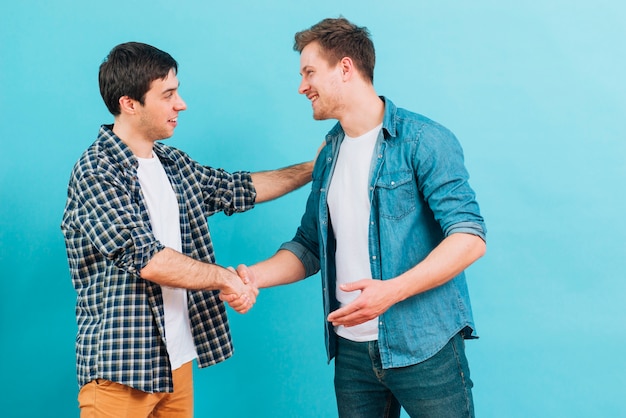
171 89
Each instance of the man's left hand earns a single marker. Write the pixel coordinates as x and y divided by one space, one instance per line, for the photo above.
375 298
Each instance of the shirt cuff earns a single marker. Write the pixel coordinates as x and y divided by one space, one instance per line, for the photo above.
309 260
467 228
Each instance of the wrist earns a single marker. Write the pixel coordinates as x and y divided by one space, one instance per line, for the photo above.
222 281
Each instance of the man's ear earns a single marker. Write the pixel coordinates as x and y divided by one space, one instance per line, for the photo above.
128 105
347 67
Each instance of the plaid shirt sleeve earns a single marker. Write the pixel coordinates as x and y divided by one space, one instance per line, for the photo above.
102 210
219 190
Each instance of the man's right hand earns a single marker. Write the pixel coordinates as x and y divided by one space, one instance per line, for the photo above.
240 292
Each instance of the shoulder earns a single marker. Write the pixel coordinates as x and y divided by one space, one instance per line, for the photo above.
423 130
169 151
173 154
102 161
423 123
93 159
407 125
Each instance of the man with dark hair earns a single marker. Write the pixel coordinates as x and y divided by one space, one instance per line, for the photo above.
139 248
392 223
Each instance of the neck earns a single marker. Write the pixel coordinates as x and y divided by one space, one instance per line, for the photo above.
139 145
363 113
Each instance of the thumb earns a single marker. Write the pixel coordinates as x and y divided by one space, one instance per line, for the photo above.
242 271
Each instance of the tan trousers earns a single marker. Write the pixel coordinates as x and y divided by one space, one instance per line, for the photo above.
105 399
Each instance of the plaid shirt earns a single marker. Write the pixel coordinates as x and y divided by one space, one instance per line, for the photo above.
121 328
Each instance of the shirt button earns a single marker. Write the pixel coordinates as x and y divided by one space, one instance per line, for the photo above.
393 182
373 257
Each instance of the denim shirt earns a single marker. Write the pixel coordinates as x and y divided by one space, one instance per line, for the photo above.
419 194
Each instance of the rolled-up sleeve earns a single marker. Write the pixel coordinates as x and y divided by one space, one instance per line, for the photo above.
309 260
444 183
467 228
102 213
221 190
305 244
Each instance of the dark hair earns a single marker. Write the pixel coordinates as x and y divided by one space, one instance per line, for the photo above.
129 70
339 38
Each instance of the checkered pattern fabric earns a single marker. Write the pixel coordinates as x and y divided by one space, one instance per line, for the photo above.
121 331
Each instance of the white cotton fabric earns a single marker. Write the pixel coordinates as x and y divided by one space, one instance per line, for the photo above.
162 207
349 207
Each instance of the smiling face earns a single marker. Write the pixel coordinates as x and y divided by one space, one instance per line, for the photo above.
158 116
321 83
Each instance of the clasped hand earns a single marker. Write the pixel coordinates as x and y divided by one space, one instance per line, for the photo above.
242 293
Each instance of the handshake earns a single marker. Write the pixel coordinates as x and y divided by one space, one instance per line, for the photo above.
240 288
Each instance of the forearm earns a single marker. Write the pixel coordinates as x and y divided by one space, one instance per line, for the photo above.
282 268
446 261
453 255
171 268
275 183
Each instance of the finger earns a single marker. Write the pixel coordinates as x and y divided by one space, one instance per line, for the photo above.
243 307
242 271
244 310
242 274
235 301
342 312
352 286
351 320
228 297
239 303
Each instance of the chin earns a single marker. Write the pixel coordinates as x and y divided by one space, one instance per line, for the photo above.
320 116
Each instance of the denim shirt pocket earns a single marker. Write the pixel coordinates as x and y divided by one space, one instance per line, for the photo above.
396 194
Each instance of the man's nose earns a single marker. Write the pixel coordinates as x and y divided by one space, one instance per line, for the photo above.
180 104
304 86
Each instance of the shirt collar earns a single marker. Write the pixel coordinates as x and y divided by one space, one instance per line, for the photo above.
389 121
123 154
389 118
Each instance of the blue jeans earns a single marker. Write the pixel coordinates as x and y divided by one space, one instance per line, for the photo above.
439 387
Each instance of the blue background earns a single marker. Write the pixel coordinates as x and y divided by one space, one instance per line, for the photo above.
534 90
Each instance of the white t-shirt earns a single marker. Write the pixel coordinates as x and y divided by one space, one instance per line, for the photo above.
349 206
164 217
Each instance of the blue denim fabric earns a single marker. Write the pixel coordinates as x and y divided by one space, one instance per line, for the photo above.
438 387
419 194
